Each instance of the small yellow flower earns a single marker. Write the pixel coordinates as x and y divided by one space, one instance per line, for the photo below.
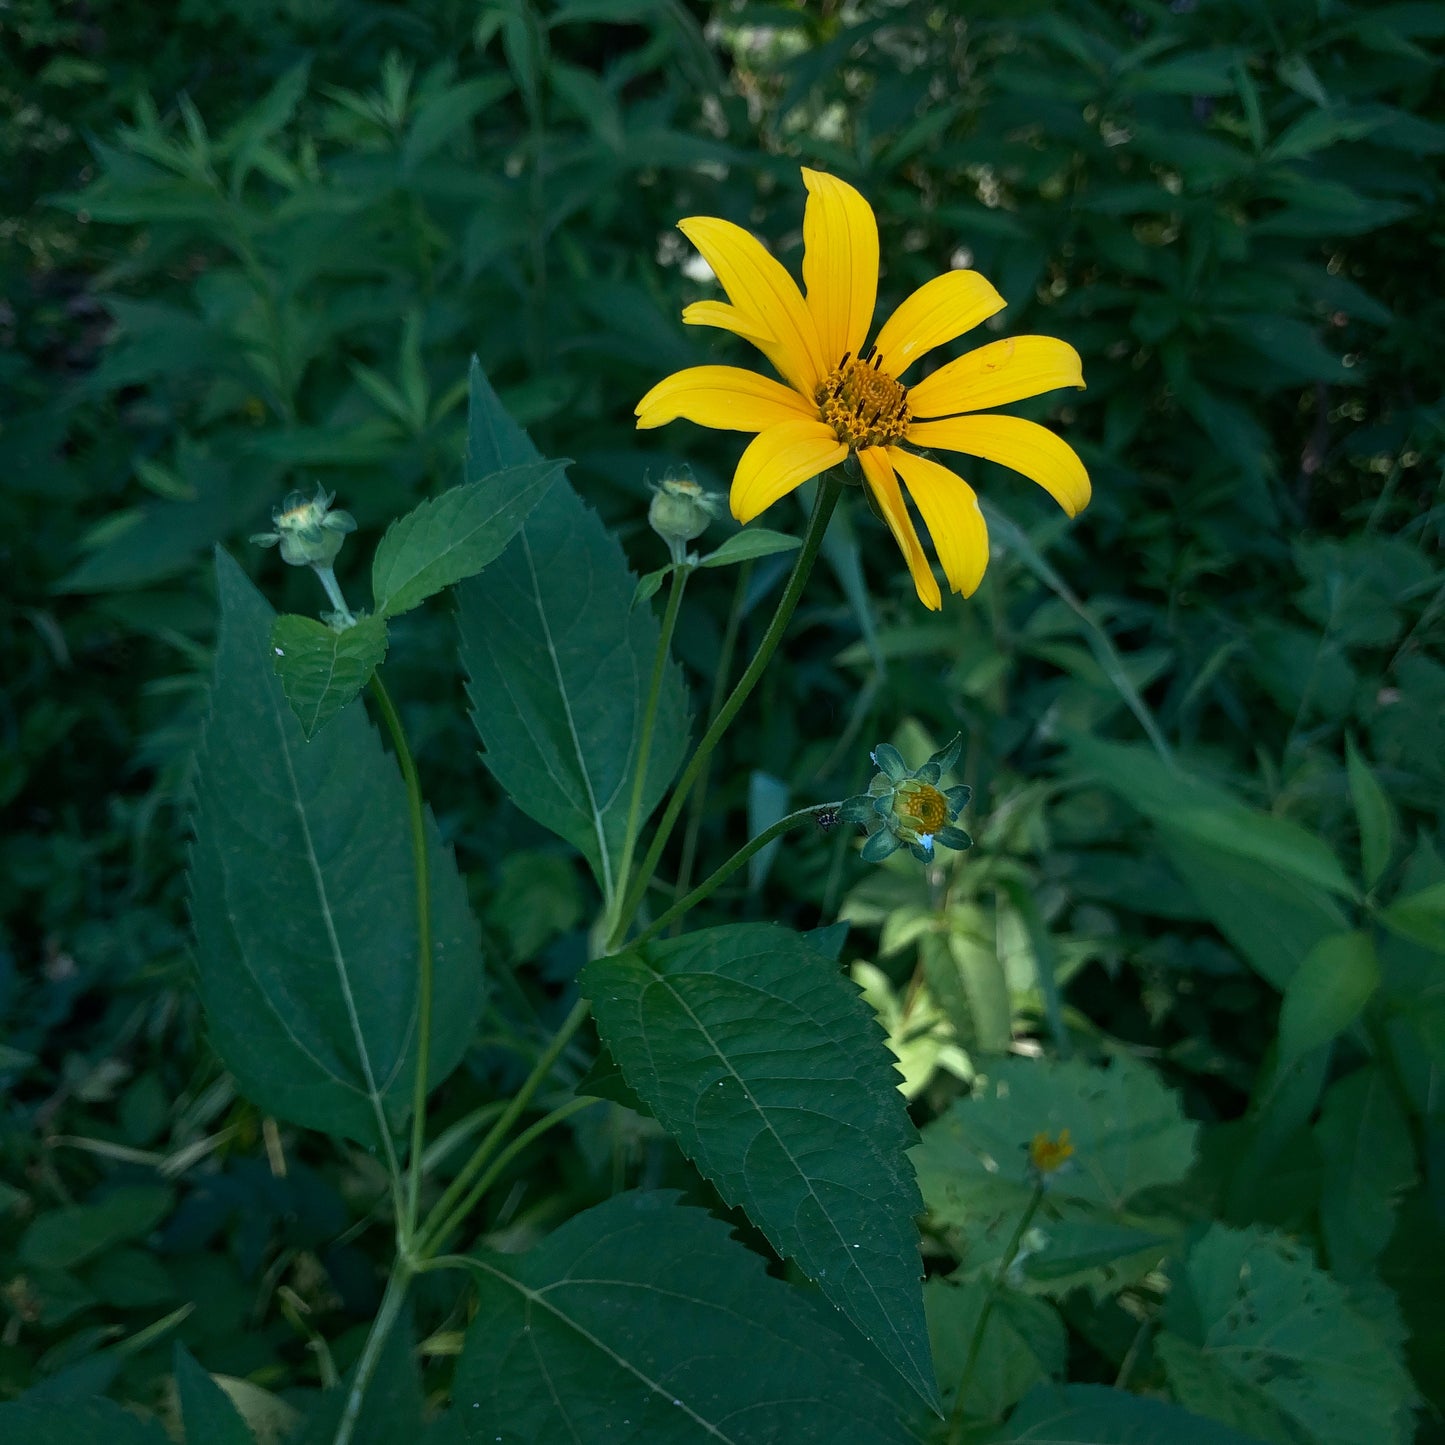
840 400
1049 1153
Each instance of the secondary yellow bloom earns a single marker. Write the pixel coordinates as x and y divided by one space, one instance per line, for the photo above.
1048 1153
840 400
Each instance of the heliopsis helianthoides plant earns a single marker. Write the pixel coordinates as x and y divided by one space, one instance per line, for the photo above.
844 399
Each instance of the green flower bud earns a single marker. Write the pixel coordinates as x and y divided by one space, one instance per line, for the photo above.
310 534
905 808
680 511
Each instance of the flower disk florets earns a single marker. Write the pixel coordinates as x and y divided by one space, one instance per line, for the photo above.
863 404
904 809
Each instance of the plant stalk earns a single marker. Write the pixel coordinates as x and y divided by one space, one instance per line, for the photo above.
828 491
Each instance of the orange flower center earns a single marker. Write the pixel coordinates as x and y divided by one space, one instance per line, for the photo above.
926 805
863 404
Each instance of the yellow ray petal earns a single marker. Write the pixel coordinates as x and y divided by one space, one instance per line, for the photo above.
726 318
996 374
765 295
1025 446
950 508
938 311
878 471
725 397
840 264
779 459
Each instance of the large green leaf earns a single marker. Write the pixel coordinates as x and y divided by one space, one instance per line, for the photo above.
455 535
1097 1415
559 662
643 1321
1129 1136
1210 816
321 669
302 890
1271 1322
765 1065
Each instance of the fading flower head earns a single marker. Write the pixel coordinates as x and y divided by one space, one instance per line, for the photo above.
844 398
904 809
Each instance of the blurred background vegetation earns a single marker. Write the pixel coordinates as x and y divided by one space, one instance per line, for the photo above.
247 247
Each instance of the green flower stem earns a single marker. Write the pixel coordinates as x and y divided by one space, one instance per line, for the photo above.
417 810
426 1237
474 1195
708 885
975 1344
649 725
327 577
719 686
381 1327
828 491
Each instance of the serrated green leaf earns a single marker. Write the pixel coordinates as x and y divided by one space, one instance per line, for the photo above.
1194 1375
1097 1415
453 536
748 544
1376 817
558 663
1128 1131
76 1422
768 1069
1326 994
642 1319
207 1413
1269 1319
307 948
321 670
63 1238
1023 1343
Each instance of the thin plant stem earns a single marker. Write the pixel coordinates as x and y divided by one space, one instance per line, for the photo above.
719 692
494 1136
649 726
494 1170
397 1285
327 577
975 1344
827 499
417 810
714 880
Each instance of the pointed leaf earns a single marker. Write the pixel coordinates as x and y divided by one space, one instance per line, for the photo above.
769 1070
321 669
207 1413
642 1319
1326 994
1270 1320
1376 817
752 542
559 662
494 440
302 894
455 535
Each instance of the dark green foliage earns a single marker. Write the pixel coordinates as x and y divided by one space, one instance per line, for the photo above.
642 1320
253 248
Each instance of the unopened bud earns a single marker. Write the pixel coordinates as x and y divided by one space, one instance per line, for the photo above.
680 511
309 532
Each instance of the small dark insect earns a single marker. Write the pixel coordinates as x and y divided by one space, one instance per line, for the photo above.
826 820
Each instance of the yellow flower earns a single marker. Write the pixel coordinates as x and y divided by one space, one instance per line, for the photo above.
1048 1154
840 399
